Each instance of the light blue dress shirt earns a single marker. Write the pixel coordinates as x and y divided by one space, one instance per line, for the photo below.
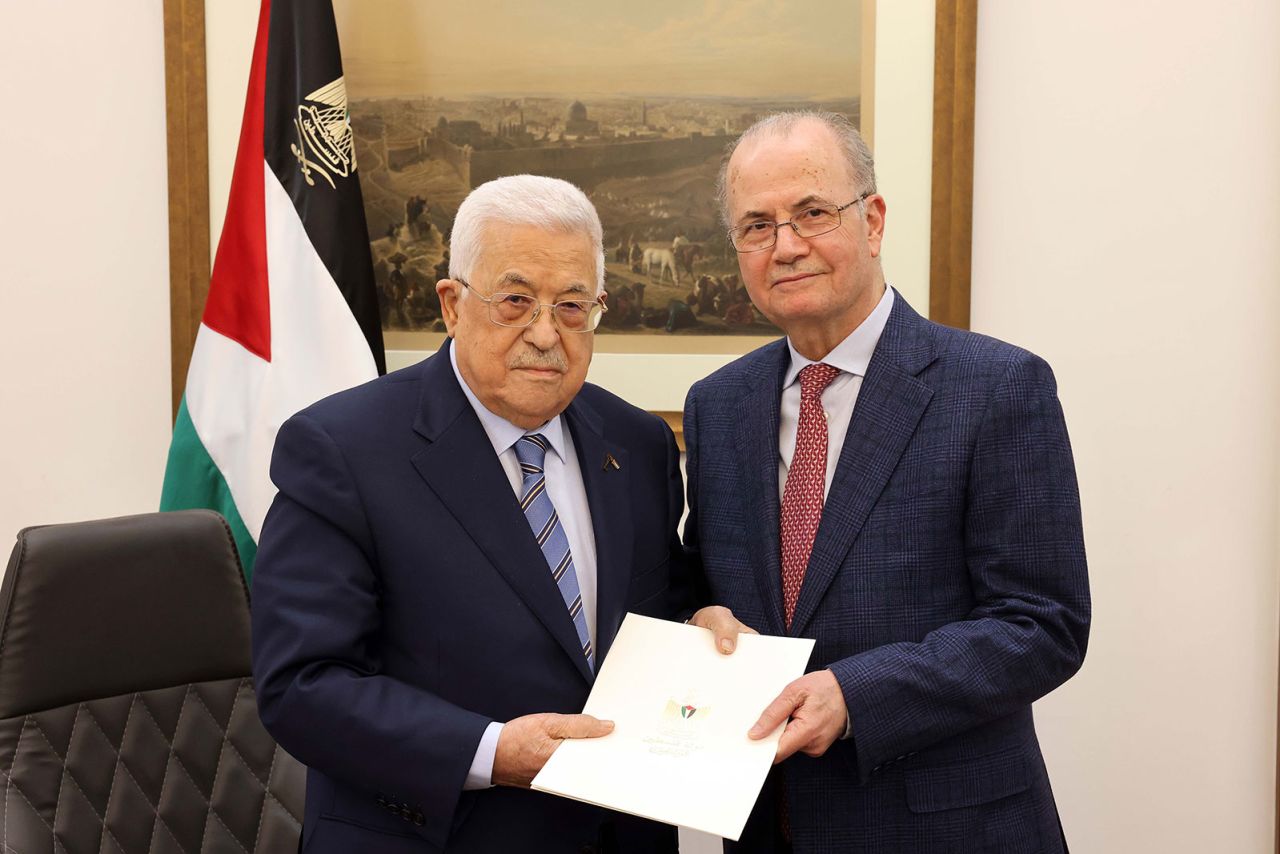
569 495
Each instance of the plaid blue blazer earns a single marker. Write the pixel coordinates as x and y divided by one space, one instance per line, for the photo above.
947 589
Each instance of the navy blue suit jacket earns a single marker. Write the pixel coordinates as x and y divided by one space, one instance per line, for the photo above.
401 603
946 589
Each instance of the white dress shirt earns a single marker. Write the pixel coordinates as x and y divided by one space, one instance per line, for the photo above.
851 356
569 495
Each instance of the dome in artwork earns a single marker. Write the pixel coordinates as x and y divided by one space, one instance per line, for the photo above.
577 112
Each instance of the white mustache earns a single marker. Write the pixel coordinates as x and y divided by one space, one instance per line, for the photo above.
550 360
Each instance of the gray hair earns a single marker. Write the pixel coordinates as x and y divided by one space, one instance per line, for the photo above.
548 203
861 165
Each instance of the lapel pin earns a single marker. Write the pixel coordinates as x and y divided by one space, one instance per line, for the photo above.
610 463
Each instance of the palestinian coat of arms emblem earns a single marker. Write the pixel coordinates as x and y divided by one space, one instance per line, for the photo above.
682 710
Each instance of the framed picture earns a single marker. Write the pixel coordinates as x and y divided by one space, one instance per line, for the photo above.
635 108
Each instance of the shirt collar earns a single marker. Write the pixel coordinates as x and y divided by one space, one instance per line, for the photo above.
501 432
853 354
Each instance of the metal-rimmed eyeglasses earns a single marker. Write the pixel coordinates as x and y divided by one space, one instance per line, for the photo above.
810 222
520 310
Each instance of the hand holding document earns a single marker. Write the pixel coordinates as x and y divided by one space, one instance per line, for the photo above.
679 752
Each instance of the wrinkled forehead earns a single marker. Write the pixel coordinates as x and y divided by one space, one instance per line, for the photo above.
537 259
780 170
504 244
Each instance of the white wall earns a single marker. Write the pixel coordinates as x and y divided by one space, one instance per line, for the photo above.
84 293
1126 227
903 140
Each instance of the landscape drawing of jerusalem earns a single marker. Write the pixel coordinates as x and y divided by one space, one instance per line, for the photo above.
638 113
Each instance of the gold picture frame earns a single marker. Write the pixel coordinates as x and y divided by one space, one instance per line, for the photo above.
949 227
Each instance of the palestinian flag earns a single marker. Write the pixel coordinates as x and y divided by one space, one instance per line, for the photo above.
292 313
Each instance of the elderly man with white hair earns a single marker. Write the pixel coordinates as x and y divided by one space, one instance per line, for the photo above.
453 548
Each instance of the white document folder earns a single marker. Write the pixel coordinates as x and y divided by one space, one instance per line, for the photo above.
679 752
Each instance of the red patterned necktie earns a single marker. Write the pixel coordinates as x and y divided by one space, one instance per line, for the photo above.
803 495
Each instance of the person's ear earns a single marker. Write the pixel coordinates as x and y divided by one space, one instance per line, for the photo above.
875 222
449 291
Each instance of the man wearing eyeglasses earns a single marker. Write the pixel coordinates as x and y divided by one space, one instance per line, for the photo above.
453 548
901 492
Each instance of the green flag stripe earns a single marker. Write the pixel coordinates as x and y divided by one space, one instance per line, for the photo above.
192 481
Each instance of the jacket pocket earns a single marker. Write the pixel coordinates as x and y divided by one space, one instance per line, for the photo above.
966 784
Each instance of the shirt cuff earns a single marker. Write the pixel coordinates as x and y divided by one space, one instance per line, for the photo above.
481 774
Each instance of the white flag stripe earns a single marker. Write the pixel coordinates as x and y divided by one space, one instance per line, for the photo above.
237 401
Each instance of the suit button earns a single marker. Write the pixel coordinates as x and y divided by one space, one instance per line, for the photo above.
406 813
382 801
419 819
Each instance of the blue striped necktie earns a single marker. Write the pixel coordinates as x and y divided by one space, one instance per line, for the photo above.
531 450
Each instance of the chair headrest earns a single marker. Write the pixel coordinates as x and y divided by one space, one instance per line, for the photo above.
98 609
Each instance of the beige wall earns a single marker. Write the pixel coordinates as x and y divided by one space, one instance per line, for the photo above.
84 294
1126 224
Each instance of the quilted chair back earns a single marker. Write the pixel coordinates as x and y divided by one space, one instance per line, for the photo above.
128 722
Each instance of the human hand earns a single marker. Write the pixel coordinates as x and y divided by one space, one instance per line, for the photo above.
818 713
526 743
723 625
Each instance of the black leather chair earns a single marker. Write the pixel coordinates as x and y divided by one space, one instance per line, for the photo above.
128 722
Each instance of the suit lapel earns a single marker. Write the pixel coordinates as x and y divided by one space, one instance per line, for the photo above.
757 443
461 468
890 405
609 498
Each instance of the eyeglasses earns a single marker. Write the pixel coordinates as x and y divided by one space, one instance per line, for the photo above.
520 310
810 222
